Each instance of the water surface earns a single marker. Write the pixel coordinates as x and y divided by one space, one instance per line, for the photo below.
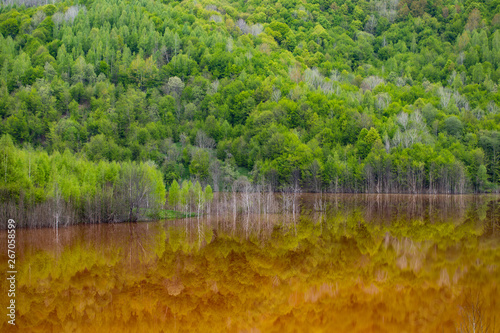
344 263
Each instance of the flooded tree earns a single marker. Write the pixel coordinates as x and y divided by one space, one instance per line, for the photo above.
62 189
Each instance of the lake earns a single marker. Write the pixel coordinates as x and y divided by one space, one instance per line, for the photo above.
341 263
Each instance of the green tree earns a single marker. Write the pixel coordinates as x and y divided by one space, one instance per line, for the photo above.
482 179
174 194
453 126
200 164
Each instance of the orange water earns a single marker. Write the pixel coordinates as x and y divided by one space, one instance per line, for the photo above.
366 264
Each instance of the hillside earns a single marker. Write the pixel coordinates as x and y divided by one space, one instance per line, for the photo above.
344 96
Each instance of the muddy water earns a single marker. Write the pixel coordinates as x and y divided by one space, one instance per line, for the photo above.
345 263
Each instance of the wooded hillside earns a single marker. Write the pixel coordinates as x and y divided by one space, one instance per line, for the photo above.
346 96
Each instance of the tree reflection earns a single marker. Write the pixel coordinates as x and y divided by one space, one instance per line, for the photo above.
364 263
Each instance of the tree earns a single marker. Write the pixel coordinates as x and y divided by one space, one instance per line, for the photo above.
306 102
482 179
199 197
209 196
490 142
174 194
13 178
175 86
203 141
9 27
142 188
474 20
279 31
453 126
377 169
200 164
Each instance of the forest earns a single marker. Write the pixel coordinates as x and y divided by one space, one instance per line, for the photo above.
99 99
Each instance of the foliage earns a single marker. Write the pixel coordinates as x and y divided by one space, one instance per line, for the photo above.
77 189
342 96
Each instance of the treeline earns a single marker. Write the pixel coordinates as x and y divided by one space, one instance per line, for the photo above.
341 96
190 197
38 189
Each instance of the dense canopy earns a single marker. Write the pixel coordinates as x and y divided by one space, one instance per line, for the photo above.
352 96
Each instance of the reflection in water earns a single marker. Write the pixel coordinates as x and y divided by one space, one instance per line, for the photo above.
358 263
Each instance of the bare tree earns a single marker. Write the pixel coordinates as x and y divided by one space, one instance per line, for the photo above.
72 12
400 81
37 18
295 73
256 29
452 78
242 25
327 87
387 8
461 101
229 45
335 76
473 318
286 198
247 190
211 8
203 141
276 95
417 121
371 82
213 87
403 119
492 108
387 143
382 101
296 190
215 173
216 18
461 58
313 78
27 3
57 207
57 18
371 24
444 96
135 188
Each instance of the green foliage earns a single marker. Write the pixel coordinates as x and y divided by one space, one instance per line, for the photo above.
339 96
209 195
36 177
199 164
9 27
174 194
453 126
